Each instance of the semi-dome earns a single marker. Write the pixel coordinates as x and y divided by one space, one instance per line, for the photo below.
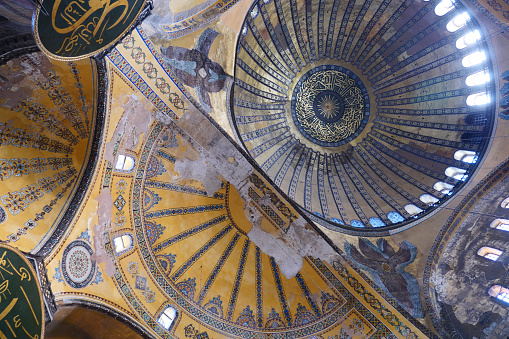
369 115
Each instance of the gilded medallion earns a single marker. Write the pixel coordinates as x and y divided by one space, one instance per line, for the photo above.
73 30
330 105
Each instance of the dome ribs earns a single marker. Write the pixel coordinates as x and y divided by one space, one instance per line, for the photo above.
217 268
200 252
258 92
388 24
380 192
321 186
298 31
414 57
376 154
365 33
281 173
462 73
238 279
428 97
275 39
409 197
335 193
320 28
362 190
286 34
260 149
330 32
426 139
257 77
292 188
419 152
275 61
309 28
308 182
351 198
188 233
353 31
276 155
281 76
342 29
281 291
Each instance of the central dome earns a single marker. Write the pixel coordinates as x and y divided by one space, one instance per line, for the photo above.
370 115
330 105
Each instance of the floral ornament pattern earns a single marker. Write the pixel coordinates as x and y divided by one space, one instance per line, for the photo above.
32 192
15 202
387 268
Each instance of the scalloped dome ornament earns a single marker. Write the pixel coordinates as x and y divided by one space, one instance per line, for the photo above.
354 115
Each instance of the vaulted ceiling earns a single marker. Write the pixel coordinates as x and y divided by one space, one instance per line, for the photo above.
266 169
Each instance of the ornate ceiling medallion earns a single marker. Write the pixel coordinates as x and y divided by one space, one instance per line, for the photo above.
330 105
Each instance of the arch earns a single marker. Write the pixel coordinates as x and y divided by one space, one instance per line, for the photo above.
443 187
466 156
444 7
125 163
428 199
468 39
473 59
499 292
376 222
500 224
456 173
412 209
395 217
478 99
477 79
489 253
505 203
123 243
357 223
457 22
167 317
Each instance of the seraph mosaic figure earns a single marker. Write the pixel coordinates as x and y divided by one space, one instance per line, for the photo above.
194 68
387 268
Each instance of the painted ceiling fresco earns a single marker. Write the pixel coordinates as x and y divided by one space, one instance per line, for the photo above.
47 115
340 104
217 166
220 255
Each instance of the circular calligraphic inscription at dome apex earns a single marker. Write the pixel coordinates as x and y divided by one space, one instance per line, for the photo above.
330 105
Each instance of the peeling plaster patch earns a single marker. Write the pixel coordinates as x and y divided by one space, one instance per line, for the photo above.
103 226
200 170
288 250
135 122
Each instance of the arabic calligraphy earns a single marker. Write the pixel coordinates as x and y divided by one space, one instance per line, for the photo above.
83 27
21 312
329 106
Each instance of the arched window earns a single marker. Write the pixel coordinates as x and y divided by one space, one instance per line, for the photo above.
356 223
376 222
505 203
473 59
395 217
444 7
123 243
468 39
167 317
500 224
477 79
456 173
489 253
457 22
428 199
125 163
412 209
477 99
443 187
466 156
499 292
